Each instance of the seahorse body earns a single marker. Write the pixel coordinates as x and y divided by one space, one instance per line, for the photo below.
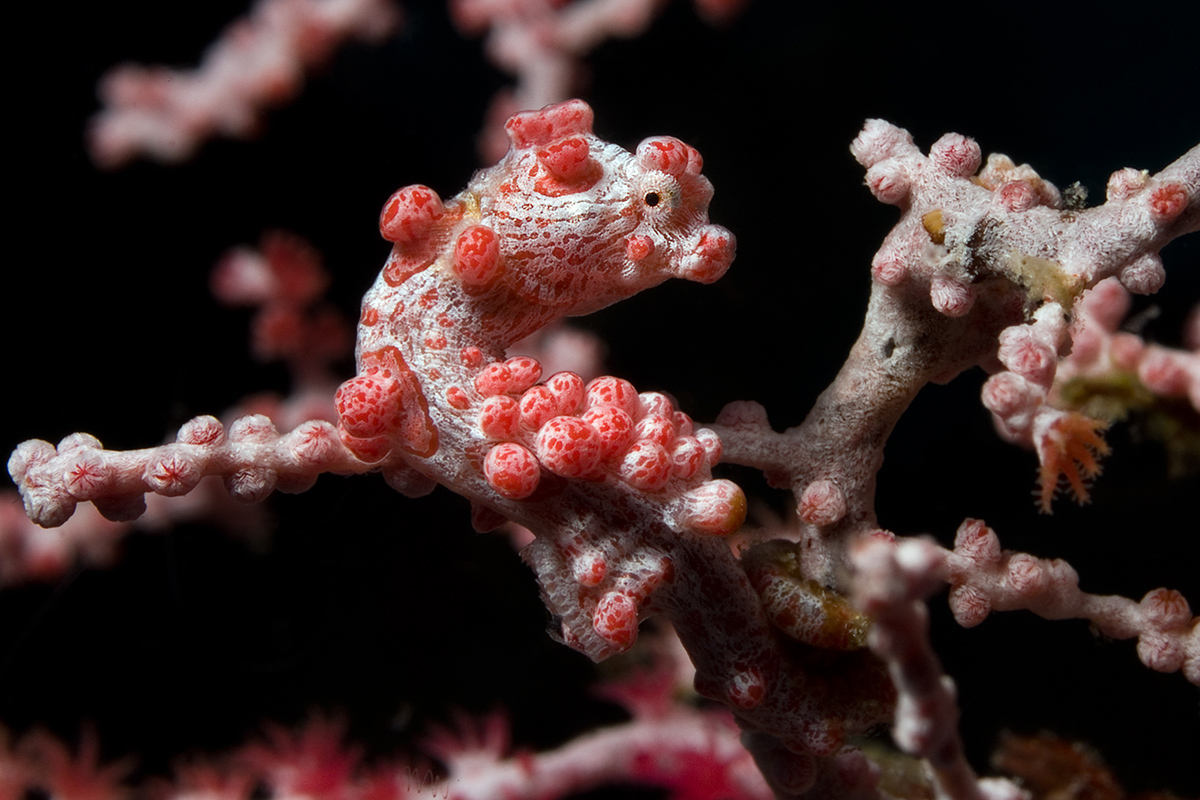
565 224
616 484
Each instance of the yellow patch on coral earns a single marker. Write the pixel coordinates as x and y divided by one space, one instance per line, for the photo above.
1044 279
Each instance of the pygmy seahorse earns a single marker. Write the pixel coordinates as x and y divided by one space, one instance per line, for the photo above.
564 225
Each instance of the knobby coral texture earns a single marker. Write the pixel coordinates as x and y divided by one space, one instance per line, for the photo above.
352 596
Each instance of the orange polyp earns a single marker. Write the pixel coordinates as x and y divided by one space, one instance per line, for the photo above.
1069 450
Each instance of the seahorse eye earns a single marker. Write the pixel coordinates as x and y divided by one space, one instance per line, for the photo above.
652 198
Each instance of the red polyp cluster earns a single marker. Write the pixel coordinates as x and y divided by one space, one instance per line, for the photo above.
384 407
604 431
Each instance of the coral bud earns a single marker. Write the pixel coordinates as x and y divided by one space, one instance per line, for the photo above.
1026 575
664 153
616 620
1017 196
976 541
822 503
743 415
1160 653
477 257
657 403
683 423
888 269
1126 350
1167 202
969 605
1144 275
1166 609
314 444
28 454
499 416
124 508
1165 372
538 406
407 481
956 155
409 214
172 472
204 430
1022 351
251 485
878 140
253 428
566 158
568 446
589 569
950 297
687 456
568 391
1007 394
616 392
367 406
747 688
1124 183
717 508
525 372
89 476
512 470
656 428
888 181
496 378
711 444
614 428
646 465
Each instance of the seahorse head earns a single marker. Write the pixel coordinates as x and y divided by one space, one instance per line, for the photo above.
581 223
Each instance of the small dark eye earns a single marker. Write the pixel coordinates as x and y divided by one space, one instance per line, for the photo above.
652 198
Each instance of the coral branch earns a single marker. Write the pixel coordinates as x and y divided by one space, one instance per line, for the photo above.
260 62
252 457
891 582
984 578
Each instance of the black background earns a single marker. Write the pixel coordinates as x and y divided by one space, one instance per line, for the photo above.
393 610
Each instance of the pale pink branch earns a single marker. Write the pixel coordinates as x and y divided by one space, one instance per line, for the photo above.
1102 351
984 578
542 42
260 62
252 457
890 583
